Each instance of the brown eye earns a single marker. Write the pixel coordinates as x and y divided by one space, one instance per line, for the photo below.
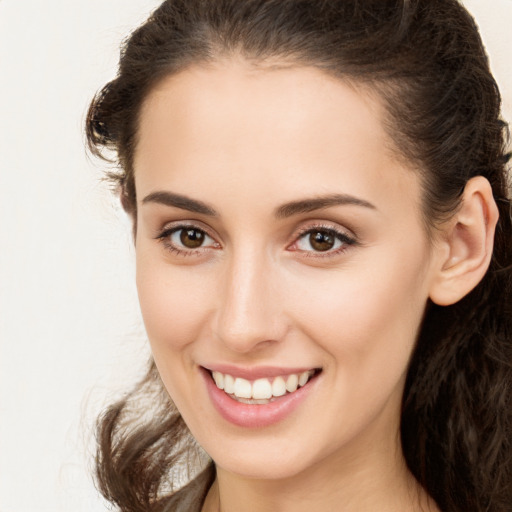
187 240
322 240
192 238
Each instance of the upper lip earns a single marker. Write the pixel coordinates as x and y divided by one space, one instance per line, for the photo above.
256 372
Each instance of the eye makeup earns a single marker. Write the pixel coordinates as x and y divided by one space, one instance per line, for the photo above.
319 240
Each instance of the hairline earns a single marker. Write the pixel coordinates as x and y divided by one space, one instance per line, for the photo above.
378 89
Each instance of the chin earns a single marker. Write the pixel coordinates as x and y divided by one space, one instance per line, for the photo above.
265 459
257 468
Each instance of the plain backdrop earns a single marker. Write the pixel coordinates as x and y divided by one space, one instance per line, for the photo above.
71 337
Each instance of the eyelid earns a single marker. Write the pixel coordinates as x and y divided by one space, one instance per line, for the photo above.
184 224
345 236
348 238
163 235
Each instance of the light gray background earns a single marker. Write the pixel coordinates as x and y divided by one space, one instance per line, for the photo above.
71 337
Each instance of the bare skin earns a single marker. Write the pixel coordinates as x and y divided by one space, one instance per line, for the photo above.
240 144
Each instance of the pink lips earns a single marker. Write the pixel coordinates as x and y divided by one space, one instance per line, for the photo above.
255 415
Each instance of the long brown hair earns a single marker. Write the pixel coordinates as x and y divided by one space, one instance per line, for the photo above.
426 61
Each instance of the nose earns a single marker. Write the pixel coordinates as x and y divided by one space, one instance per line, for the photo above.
249 315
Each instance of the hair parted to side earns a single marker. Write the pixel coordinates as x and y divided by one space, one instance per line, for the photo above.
426 61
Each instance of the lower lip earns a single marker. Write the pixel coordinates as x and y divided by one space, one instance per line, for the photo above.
255 415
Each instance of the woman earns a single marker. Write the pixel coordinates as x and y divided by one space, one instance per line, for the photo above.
323 240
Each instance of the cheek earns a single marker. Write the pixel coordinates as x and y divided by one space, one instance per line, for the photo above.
174 304
367 313
174 307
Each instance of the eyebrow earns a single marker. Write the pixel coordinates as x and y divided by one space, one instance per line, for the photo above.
319 203
179 201
284 211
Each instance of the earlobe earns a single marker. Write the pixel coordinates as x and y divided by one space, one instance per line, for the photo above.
466 249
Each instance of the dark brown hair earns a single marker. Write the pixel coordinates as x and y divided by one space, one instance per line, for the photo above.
426 61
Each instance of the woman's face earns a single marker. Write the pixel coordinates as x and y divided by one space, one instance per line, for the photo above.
278 239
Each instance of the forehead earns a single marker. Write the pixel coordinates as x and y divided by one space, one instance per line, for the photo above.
290 129
292 101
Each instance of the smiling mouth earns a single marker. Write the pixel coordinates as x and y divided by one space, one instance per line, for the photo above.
264 390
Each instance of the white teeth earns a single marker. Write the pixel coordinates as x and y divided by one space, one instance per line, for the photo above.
292 383
243 388
219 379
278 387
303 378
229 384
262 389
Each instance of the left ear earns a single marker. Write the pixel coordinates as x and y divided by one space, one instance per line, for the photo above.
466 244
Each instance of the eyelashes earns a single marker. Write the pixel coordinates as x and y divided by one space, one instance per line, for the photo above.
322 240
187 240
313 241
